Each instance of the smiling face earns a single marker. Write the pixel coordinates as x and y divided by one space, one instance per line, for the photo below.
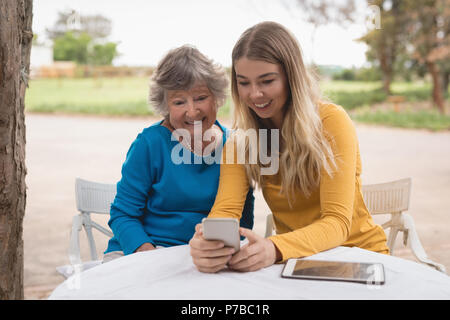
187 107
263 87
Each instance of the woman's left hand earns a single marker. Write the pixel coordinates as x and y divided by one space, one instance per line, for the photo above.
258 253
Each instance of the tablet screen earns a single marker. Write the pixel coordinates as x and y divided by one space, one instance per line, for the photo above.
334 270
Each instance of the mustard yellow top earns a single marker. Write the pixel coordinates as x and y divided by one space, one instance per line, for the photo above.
333 215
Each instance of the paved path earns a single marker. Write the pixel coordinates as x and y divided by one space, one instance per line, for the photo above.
61 148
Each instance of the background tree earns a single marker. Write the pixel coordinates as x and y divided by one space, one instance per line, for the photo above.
429 38
321 12
414 36
386 43
102 55
71 47
15 40
96 26
82 39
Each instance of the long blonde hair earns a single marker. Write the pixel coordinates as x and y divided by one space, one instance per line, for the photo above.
305 149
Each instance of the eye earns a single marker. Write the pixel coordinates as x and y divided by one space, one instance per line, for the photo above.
201 98
243 83
268 81
178 102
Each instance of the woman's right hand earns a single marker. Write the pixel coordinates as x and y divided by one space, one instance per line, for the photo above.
209 256
145 247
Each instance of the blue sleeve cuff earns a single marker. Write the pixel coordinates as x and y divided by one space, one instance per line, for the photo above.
132 238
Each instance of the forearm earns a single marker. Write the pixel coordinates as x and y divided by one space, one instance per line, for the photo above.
232 191
128 230
324 234
227 206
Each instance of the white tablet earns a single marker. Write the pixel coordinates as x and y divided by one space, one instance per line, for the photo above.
368 273
224 229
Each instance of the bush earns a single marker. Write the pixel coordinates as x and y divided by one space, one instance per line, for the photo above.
361 74
80 49
353 99
346 75
71 48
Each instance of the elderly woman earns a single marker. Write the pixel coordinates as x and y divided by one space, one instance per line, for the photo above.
159 198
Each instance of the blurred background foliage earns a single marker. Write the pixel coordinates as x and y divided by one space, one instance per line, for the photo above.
404 82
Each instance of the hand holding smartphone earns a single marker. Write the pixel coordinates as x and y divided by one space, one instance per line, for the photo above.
223 229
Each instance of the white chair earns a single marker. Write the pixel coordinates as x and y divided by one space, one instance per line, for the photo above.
91 197
390 198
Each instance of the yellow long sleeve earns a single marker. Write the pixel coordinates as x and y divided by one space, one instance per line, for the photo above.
333 215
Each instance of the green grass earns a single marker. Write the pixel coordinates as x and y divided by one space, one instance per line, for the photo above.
116 96
353 94
128 97
423 119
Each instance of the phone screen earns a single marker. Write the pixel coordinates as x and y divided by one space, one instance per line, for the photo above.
334 270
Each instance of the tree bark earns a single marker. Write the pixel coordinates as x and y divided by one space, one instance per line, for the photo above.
387 79
438 98
15 46
445 82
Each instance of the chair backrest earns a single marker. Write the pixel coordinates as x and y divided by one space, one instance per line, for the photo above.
389 197
91 197
94 197
382 198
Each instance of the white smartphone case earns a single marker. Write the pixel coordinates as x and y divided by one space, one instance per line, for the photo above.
224 229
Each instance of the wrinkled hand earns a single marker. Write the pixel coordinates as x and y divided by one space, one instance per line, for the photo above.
145 247
209 256
258 253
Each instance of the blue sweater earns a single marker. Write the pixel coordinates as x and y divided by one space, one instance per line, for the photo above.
159 201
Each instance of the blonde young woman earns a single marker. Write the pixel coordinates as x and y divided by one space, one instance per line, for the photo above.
315 196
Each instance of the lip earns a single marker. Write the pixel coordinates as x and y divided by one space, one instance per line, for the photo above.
258 106
191 123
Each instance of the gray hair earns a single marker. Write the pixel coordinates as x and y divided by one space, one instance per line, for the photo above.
181 69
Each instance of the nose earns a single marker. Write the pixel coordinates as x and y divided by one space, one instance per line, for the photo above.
192 111
255 93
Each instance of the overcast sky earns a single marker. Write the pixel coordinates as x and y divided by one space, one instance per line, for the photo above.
147 29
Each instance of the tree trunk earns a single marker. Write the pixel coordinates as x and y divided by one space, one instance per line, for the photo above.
15 46
445 82
387 79
438 98
386 63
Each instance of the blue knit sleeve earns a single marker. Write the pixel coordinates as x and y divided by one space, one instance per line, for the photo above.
131 198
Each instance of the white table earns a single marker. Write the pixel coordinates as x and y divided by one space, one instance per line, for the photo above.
169 273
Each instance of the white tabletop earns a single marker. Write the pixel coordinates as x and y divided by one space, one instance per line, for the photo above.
169 273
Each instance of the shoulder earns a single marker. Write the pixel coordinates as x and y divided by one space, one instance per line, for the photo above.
334 117
337 125
330 110
154 133
152 136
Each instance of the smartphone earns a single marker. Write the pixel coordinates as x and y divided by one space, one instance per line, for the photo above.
368 273
223 229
